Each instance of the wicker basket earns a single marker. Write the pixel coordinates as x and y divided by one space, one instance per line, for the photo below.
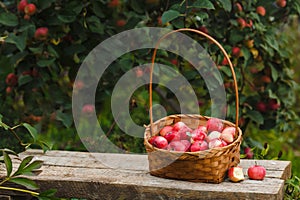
203 166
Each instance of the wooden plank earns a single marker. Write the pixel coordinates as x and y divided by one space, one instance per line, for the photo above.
90 175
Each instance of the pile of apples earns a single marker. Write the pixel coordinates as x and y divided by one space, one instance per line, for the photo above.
180 137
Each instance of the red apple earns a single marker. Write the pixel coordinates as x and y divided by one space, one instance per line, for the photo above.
257 172
172 136
214 124
281 3
224 62
174 61
88 109
238 7
113 3
235 174
215 143
165 130
198 134
121 22
273 104
22 5
213 135
177 146
151 140
160 142
203 29
248 152
250 23
266 79
11 79
30 9
227 137
8 90
224 144
261 10
138 72
261 106
236 51
184 133
199 146
203 128
41 33
179 125
241 22
187 144
228 134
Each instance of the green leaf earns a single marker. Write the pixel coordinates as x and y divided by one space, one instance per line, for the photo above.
169 16
65 118
3 125
31 130
255 116
274 73
29 169
203 4
48 193
95 25
52 51
19 41
9 151
8 164
272 42
24 162
67 17
29 184
97 8
46 145
8 19
45 62
226 4
137 6
24 79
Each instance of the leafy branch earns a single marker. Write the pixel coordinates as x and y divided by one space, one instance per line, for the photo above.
31 130
28 166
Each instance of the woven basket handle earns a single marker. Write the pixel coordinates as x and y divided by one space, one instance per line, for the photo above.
223 51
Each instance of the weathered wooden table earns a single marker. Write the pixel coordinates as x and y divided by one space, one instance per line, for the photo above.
82 175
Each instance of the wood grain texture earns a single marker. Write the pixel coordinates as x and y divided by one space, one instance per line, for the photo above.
126 176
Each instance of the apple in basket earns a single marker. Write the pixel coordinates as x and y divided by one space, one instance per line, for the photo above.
228 134
165 130
182 129
159 142
198 134
177 146
172 136
199 145
214 124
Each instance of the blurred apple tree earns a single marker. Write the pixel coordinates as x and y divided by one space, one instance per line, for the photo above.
42 50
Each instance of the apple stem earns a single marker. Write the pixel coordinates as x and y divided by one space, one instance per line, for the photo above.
256 162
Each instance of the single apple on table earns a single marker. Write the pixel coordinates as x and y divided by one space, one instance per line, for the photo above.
256 172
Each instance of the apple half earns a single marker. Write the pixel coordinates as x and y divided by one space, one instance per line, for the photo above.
236 174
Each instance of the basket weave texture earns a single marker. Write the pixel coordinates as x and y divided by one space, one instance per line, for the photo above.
203 166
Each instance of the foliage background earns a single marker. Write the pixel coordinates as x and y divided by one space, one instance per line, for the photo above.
266 68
